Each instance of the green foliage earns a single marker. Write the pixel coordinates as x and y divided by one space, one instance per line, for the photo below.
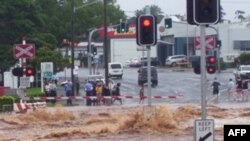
34 92
46 54
46 23
6 100
243 59
6 57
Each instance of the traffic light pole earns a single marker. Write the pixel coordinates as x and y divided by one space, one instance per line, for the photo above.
149 76
147 11
203 72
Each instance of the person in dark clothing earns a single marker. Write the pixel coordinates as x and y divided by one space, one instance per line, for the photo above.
77 85
215 86
88 88
68 91
239 83
117 93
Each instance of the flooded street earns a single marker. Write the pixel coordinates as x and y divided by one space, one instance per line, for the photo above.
113 123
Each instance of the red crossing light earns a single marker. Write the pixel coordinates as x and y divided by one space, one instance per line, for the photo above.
29 71
211 64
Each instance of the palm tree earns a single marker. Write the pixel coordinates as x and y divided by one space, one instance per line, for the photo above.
239 15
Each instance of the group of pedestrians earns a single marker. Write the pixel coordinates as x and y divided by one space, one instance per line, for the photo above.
237 88
98 90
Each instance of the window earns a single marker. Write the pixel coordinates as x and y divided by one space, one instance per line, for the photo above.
241 45
116 66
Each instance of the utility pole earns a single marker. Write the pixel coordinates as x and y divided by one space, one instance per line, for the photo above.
105 46
72 46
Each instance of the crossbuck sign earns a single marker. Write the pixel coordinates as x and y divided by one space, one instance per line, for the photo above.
24 51
210 43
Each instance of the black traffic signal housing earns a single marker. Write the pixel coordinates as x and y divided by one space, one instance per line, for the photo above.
29 71
190 12
196 64
17 71
218 44
211 64
146 30
168 23
123 27
206 11
94 50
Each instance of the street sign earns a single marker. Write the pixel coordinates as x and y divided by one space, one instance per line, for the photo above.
47 74
209 41
24 82
24 51
204 130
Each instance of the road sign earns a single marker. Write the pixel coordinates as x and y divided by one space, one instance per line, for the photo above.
24 82
210 43
204 130
47 74
24 51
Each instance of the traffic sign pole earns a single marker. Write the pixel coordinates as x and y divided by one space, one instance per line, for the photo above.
203 72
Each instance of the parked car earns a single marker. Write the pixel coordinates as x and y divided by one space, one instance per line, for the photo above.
143 75
242 71
153 61
135 62
175 59
115 69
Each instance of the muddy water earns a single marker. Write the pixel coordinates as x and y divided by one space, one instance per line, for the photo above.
102 123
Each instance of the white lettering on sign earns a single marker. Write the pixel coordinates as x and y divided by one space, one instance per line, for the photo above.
235 132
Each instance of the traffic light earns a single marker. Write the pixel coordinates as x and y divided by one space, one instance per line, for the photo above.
146 30
123 27
196 65
206 11
29 71
168 23
17 71
190 12
218 44
211 64
94 50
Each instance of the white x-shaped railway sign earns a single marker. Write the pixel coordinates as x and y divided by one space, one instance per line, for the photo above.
24 50
209 43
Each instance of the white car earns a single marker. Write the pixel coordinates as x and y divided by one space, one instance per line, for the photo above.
115 69
175 59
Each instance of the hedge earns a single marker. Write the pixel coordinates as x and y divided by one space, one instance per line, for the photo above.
6 100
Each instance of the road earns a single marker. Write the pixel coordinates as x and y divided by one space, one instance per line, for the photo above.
175 85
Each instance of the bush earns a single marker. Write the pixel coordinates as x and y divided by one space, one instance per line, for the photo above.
34 92
6 100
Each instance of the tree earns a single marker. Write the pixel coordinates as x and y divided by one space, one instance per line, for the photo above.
240 15
154 10
45 54
243 58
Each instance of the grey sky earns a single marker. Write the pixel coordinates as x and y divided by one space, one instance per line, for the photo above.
172 7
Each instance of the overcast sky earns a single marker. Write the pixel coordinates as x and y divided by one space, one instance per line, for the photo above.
171 7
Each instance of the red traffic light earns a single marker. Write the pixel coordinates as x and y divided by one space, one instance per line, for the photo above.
29 71
211 69
211 60
146 22
146 30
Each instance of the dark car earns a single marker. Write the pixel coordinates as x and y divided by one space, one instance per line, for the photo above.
142 76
